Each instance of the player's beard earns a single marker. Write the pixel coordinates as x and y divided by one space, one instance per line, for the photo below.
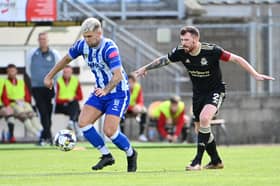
93 45
188 49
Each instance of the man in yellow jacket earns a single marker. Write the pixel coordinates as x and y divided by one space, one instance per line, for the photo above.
6 111
19 98
68 95
171 118
136 106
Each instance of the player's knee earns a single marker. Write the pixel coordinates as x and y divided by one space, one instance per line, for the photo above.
204 120
82 122
108 131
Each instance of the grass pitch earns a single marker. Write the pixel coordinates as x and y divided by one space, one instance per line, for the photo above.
159 164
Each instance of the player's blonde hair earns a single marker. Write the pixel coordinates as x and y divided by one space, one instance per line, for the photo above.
90 24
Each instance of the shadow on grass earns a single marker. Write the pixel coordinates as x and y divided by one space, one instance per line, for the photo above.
138 146
99 173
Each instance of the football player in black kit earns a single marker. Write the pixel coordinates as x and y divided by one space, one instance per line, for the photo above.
202 61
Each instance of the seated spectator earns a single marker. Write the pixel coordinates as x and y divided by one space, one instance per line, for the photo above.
136 106
18 97
171 118
69 93
6 111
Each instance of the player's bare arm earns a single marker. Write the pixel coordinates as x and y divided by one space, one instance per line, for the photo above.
59 66
157 63
116 79
245 65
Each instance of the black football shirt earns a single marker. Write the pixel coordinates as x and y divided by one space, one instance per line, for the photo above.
204 68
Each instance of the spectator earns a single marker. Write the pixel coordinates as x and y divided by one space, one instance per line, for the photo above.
19 98
136 105
6 111
69 93
171 118
39 62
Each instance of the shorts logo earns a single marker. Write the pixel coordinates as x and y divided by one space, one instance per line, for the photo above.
116 105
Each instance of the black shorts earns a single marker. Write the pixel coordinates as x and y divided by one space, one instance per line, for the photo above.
215 98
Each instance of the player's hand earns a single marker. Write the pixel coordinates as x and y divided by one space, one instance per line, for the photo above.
141 72
100 92
48 82
261 77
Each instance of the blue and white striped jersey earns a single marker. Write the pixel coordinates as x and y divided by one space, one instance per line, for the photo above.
102 61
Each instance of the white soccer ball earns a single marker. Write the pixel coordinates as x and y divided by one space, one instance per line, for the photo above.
65 140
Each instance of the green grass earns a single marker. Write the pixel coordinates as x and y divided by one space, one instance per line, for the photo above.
159 164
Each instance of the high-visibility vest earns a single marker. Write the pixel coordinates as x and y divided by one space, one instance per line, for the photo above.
164 108
2 83
134 94
67 91
15 92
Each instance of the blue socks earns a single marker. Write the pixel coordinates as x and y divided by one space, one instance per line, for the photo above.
122 142
93 136
119 139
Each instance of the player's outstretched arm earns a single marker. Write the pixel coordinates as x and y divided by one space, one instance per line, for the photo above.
244 64
59 66
157 63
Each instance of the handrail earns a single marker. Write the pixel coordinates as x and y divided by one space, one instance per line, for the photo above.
92 11
121 9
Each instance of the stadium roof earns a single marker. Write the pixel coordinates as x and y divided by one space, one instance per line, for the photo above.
205 2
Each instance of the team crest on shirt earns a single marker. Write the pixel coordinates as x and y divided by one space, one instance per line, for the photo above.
203 61
187 61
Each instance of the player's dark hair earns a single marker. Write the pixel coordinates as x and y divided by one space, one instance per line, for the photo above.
190 29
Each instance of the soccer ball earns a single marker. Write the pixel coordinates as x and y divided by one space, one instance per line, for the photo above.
65 140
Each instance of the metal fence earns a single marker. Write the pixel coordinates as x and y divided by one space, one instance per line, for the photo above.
257 42
124 9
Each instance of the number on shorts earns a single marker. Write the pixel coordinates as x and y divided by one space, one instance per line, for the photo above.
215 98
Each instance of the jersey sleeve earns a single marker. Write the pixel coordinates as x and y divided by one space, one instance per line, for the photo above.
223 54
112 58
173 55
76 49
